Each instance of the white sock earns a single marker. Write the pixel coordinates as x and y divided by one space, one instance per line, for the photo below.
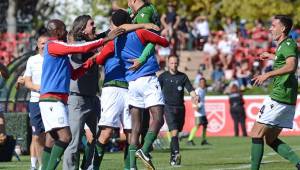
33 161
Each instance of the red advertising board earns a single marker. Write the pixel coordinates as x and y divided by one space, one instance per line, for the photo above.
220 121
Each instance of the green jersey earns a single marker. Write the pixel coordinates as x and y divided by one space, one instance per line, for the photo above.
285 86
146 14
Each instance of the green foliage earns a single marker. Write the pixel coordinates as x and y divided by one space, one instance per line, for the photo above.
100 7
217 9
17 124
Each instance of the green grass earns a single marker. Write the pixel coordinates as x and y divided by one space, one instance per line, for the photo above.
225 153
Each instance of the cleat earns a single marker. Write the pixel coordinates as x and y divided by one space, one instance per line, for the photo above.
146 159
175 160
205 143
190 143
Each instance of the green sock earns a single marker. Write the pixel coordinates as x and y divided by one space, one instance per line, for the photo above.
126 157
132 149
57 151
86 154
45 157
101 150
257 151
204 133
149 139
96 161
285 151
193 133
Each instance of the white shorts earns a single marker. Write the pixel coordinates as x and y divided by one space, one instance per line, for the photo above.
54 115
145 92
114 108
276 114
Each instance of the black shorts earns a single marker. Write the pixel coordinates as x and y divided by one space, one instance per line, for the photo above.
175 116
36 118
201 120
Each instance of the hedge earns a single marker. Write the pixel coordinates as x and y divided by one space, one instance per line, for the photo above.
17 124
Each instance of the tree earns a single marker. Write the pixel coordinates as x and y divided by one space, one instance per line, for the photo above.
24 15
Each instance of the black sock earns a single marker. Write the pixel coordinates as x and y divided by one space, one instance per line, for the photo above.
174 145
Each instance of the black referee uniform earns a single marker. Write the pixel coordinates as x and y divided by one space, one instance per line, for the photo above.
173 92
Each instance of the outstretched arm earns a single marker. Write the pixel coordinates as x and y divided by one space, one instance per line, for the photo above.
57 48
132 27
98 59
149 37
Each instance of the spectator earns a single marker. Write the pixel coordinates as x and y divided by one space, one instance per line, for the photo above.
210 52
242 29
294 34
163 53
244 75
259 35
218 77
230 29
183 33
226 51
201 31
170 22
237 110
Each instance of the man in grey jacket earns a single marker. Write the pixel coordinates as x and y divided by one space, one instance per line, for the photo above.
83 104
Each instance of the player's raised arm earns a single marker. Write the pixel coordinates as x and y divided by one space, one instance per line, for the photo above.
132 27
147 36
59 48
99 58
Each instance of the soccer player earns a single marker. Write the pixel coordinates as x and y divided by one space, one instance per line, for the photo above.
200 114
55 83
142 11
114 105
32 78
173 83
278 110
144 89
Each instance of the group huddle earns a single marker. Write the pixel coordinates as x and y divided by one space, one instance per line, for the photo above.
68 84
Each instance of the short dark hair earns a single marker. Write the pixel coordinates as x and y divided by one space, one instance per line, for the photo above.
286 21
202 78
53 25
120 17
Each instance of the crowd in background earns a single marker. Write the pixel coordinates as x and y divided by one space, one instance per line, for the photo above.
229 54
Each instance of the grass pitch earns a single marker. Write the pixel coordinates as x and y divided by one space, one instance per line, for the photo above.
225 153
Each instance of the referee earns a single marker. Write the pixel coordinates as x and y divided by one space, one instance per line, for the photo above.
173 83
